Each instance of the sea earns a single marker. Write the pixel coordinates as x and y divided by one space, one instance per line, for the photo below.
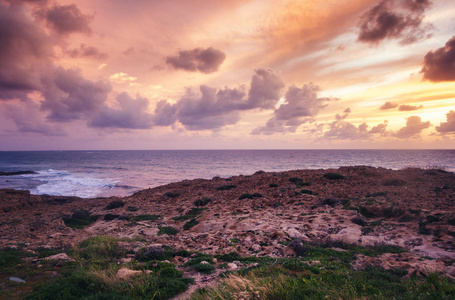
89 174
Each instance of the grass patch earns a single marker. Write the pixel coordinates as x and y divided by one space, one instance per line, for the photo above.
330 201
191 223
226 187
333 176
145 218
115 204
202 202
172 194
80 219
273 185
190 215
394 182
167 230
250 196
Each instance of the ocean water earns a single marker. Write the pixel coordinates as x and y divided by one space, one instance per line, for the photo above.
121 173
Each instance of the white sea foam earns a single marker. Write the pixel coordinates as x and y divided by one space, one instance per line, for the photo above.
63 183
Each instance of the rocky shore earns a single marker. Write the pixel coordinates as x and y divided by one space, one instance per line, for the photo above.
259 215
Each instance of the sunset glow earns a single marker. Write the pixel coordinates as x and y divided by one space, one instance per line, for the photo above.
288 74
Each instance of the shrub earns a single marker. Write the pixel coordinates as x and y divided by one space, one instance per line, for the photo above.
226 187
359 221
110 217
191 214
151 253
132 208
115 204
394 182
366 212
172 194
297 246
432 219
204 268
146 218
80 219
273 185
167 230
330 201
202 202
333 176
100 248
306 192
191 223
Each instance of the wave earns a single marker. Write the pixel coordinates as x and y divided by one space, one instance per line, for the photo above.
64 183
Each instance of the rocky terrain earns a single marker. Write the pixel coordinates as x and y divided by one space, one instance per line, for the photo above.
259 215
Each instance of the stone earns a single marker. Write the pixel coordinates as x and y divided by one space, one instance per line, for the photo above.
125 273
232 266
15 279
60 256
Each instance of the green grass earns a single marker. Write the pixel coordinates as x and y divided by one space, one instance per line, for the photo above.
93 276
191 223
202 202
115 204
194 212
333 278
226 187
80 219
145 218
333 176
167 230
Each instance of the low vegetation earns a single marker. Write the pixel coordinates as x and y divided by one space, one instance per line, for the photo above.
333 176
80 219
226 187
115 204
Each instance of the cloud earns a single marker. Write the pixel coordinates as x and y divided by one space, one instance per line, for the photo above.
406 107
300 105
68 96
66 19
165 113
449 126
340 129
414 126
131 114
86 51
388 105
394 19
265 90
25 52
440 64
212 109
29 119
199 59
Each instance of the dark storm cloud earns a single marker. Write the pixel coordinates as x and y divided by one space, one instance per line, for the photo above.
440 64
131 114
449 126
300 105
68 96
66 19
199 59
87 52
25 52
394 19
414 126
388 105
406 107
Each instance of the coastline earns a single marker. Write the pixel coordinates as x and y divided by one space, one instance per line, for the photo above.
258 215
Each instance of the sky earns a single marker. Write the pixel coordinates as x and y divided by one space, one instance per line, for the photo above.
227 74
